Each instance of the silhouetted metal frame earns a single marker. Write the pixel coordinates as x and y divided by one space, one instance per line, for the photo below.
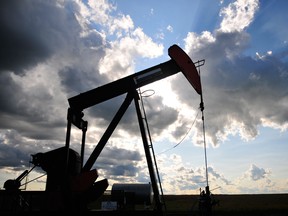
148 154
180 62
107 134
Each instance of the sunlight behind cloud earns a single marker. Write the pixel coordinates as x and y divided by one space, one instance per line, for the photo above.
77 46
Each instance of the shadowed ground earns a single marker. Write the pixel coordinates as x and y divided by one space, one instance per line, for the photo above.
238 205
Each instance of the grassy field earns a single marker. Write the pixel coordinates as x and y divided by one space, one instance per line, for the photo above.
262 204
238 205
232 205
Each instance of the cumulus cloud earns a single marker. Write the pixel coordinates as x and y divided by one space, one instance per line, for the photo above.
53 50
215 175
256 173
238 15
236 86
254 180
177 177
115 162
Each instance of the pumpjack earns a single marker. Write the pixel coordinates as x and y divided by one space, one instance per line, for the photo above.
70 183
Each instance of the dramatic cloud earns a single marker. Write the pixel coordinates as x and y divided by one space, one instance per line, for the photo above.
31 32
236 86
54 50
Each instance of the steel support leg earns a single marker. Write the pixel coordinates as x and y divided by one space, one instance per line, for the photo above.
148 154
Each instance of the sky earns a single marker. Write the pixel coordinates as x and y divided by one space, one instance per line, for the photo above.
54 50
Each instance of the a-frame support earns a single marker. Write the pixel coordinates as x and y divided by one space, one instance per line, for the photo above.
133 94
